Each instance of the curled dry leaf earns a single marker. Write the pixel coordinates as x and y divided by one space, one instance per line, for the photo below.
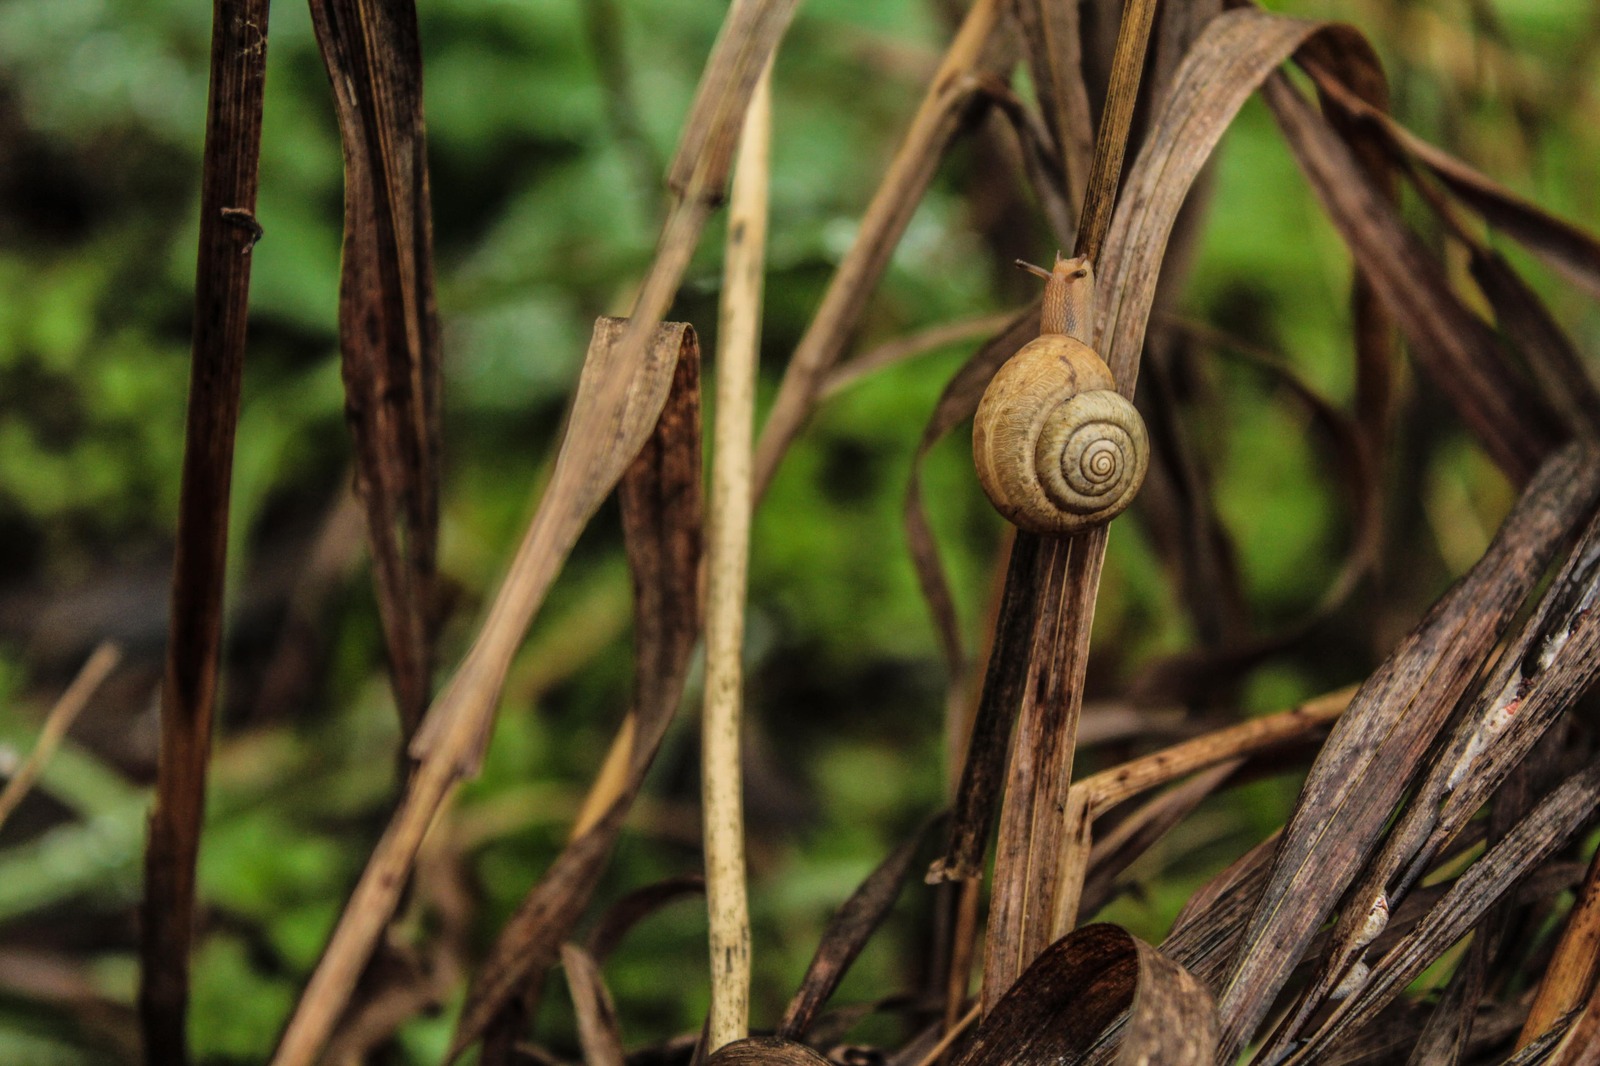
1082 985
388 323
765 1051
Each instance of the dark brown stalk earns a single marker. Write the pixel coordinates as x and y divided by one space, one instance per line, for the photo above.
228 231
388 324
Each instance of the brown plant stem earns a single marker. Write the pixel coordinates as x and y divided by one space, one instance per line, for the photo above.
1055 582
228 232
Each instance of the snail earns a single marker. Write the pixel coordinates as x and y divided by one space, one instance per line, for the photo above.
1058 449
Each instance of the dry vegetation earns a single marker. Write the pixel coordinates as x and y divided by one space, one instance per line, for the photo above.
1446 795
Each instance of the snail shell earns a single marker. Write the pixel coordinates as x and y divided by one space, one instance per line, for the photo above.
1058 449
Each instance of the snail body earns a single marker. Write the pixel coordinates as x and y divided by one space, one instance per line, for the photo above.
1058 450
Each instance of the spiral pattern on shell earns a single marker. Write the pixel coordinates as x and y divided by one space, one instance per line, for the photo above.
1058 450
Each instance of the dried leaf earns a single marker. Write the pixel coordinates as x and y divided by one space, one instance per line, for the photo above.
56 725
1055 56
1566 810
1527 323
662 520
1377 744
1084 983
619 918
1456 347
618 405
388 323
955 405
1563 246
1548 666
938 119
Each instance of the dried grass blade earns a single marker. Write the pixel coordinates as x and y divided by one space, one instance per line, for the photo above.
1456 347
603 436
1091 876
388 323
742 53
911 346
1116 122
598 1032
744 48
1376 746
851 926
1231 58
1552 823
1549 665
1557 367
57 723
1187 676
954 87
1563 246
1448 1029
625 913
662 522
1055 55
228 231
1110 787
722 773
975 805
1210 924
1570 1042
1033 819
1234 54
1080 986
1029 897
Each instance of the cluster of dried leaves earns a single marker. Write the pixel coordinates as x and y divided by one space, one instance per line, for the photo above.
1449 792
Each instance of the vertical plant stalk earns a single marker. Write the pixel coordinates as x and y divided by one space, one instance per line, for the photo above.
228 231
194 639
739 337
1055 581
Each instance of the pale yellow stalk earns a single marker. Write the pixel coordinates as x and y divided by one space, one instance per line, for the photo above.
739 337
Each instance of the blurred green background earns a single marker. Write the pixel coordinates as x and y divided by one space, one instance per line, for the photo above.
547 203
